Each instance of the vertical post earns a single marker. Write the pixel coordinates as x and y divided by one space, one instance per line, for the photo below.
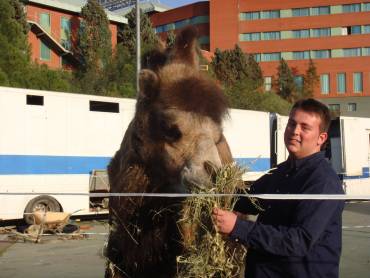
138 48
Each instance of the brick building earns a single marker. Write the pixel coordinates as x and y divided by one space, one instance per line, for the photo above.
334 33
54 27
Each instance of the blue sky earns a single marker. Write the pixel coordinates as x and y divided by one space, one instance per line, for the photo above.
178 3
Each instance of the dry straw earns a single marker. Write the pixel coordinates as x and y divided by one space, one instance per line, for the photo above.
208 253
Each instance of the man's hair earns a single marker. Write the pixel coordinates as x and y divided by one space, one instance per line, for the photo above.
311 105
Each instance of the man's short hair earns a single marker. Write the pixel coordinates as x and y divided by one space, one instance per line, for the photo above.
311 105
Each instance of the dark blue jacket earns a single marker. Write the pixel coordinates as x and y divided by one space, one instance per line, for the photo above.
293 238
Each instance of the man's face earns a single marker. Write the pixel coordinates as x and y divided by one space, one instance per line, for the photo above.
302 135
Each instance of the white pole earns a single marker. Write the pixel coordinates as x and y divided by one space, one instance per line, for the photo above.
138 48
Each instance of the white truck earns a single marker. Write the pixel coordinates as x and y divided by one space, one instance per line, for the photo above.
54 142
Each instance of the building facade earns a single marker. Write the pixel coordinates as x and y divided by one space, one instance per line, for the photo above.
54 28
196 14
335 34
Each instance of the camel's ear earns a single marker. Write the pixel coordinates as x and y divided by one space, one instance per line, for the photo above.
186 47
149 84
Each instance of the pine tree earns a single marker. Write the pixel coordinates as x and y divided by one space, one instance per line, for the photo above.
171 37
94 49
285 82
310 80
254 72
148 38
15 53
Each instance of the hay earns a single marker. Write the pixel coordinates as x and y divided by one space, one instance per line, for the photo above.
208 253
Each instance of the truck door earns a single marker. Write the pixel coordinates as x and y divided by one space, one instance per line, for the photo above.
354 144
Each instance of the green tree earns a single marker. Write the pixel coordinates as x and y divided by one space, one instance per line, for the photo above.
310 80
15 53
286 87
148 39
94 49
171 37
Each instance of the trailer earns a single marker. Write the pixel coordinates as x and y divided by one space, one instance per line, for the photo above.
57 143
61 143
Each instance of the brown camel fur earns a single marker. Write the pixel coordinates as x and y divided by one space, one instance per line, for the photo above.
175 135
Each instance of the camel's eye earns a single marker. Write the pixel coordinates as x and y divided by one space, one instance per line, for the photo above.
171 133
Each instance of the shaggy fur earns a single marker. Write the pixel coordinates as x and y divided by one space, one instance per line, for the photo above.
175 134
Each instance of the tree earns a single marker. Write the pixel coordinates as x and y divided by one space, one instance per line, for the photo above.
15 53
310 80
94 49
285 82
148 38
171 37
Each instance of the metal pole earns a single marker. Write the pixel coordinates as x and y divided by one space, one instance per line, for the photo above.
138 48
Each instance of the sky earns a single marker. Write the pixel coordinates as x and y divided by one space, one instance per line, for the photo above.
178 3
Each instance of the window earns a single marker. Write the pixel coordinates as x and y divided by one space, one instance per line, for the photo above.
320 10
159 29
325 85
301 12
366 51
366 7
250 37
103 106
298 81
300 55
65 34
351 52
271 35
44 52
35 100
367 29
276 56
352 107
270 14
198 19
320 54
181 23
357 82
351 8
298 34
45 21
268 83
257 57
355 30
334 107
341 83
320 32
250 16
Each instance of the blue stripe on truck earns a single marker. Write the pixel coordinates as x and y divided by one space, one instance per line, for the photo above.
43 164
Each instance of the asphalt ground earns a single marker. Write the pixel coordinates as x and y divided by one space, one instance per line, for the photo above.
82 256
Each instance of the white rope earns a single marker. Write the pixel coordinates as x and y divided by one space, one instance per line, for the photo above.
200 195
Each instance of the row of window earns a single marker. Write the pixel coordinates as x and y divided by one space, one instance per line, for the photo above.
306 33
341 83
308 11
313 54
182 23
351 107
325 83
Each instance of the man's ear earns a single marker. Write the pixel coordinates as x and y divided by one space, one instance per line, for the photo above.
322 138
149 84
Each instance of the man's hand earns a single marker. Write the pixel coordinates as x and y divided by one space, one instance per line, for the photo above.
224 220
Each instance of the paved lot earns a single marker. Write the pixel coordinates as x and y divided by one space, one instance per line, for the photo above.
55 257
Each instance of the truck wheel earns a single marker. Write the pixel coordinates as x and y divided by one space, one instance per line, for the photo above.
40 203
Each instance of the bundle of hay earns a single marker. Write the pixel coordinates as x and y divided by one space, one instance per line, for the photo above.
208 253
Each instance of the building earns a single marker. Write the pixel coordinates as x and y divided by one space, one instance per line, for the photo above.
334 33
54 28
196 14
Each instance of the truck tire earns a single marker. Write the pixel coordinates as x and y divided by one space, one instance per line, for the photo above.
40 203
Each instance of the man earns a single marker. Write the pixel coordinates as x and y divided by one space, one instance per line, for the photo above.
293 238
